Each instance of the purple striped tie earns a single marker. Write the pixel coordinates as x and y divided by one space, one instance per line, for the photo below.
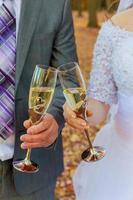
7 71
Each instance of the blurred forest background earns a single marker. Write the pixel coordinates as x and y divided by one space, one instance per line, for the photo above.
88 17
92 7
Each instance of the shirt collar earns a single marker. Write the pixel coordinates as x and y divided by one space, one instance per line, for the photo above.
3 1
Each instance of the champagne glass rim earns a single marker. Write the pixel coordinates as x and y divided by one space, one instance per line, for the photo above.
66 70
48 67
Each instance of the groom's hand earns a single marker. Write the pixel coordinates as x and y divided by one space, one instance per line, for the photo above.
41 135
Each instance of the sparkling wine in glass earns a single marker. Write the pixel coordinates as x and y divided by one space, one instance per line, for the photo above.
74 90
40 96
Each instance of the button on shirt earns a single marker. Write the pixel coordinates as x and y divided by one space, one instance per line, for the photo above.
7 146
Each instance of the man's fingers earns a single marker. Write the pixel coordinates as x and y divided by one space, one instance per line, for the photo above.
36 129
42 126
43 139
31 138
41 135
38 138
27 123
31 145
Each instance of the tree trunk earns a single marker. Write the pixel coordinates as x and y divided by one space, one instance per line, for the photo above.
108 3
92 9
79 8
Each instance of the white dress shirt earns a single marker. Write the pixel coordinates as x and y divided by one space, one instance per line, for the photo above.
7 146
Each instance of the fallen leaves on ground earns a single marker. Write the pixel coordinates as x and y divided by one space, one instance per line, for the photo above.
75 142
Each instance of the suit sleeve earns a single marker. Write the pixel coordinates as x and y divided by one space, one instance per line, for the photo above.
64 51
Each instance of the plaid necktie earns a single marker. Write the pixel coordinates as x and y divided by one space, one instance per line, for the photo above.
7 71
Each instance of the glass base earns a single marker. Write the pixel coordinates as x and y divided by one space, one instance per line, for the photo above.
93 155
26 166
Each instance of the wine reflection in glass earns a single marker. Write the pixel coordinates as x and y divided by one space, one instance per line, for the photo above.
40 96
74 90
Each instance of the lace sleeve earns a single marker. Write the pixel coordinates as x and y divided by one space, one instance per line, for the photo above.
102 86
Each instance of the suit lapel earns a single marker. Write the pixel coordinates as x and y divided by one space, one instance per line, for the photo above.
28 19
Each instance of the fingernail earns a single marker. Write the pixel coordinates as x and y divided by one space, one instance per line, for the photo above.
83 124
29 131
73 116
22 137
87 127
23 146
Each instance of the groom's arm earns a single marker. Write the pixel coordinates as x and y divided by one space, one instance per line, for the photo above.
64 51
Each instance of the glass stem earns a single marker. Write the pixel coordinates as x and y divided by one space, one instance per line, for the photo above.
85 130
88 138
28 155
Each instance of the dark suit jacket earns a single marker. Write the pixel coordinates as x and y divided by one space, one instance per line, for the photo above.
45 37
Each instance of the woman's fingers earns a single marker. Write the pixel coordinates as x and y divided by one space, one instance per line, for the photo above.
77 123
72 119
68 112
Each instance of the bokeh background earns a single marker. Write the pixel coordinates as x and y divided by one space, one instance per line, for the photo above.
88 17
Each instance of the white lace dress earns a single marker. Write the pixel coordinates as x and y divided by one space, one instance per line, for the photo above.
111 82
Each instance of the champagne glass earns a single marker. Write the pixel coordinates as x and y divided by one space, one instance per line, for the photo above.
40 96
74 90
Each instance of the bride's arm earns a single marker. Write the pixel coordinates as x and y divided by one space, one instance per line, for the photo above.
102 91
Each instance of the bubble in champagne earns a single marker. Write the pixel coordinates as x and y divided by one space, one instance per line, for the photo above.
38 100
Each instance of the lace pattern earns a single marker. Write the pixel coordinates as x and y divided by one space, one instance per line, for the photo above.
112 71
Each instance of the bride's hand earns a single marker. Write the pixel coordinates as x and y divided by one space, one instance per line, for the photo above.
72 119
